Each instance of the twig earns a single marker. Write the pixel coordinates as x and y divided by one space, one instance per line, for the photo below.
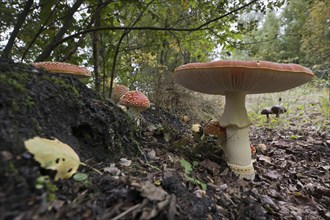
126 212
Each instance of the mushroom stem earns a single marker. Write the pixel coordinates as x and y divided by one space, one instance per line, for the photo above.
237 148
238 152
235 112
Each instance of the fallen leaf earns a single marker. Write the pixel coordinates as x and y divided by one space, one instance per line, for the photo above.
54 155
273 175
151 154
124 162
264 158
150 191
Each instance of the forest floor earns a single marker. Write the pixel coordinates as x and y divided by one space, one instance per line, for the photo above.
161 170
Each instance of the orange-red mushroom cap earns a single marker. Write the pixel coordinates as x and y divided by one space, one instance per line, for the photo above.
61 67
214 128
136 100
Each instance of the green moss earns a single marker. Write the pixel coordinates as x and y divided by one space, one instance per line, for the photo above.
15 80
63 84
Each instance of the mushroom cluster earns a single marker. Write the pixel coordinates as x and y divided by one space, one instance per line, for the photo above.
235 79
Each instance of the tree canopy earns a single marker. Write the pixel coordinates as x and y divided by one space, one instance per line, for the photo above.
299 33
139 43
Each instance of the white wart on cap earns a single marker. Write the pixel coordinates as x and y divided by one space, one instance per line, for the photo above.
235 79
61 67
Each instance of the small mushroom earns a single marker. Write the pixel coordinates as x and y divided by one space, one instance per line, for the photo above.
135 102
267 112
117 92
277 109
213 128
235 79
196 128
61 67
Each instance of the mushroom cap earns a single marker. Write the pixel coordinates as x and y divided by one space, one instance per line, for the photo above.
266 111
214 128
135 100
118 91
277 109
61 67
251 77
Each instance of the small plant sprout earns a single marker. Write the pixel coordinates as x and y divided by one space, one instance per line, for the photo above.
188 168
234 80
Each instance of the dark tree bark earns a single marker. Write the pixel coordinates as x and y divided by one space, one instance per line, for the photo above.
67 23
96 49
20 20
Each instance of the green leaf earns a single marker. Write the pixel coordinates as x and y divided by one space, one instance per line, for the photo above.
80 177
186 165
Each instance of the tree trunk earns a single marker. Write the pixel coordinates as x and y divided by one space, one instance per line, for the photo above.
96 50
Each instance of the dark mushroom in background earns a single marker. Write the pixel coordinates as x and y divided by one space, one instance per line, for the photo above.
267 112
277 109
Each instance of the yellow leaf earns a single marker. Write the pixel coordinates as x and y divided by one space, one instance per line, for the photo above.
54 155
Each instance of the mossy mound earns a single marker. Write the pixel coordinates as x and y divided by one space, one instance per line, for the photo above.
37 103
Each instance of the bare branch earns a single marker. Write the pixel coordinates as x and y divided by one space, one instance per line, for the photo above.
118 46
201 27
20 20
53 44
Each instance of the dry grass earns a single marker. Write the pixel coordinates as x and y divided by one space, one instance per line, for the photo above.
307 104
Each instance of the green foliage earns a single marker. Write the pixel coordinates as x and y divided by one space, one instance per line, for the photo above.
307 107
188 168
316 34
146 57
298 34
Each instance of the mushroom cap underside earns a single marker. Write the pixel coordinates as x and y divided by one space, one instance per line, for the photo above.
250 77
61 67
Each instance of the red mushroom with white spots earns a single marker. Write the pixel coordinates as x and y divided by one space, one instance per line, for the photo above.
135 102
61 67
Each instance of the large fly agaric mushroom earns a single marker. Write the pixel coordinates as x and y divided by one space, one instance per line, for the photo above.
60 67
135 102
234 80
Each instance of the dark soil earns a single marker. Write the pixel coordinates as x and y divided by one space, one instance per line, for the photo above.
292 180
